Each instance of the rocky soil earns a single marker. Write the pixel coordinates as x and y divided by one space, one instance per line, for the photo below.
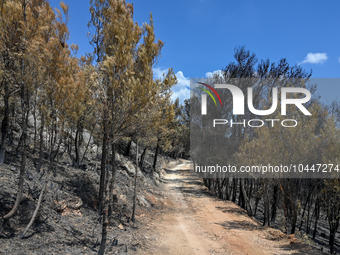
68 221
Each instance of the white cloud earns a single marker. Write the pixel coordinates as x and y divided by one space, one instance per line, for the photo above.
210 74
158 72
339 59
315 58
181 89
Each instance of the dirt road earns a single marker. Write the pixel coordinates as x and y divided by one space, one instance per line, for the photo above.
197 223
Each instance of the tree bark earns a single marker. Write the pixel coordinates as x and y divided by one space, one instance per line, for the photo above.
274 202
104 210
245 197
333 228
317 214
76 149
113 177
155 159
41 143
103 165
234 190
4 124
104 226
135 188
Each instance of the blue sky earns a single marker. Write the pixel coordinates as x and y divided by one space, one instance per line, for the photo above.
200 35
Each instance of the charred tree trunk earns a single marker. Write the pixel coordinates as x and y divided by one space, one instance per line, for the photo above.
41 143
135 186
104 207
4 124
103 165
113 176
219 189
246 199
234 190
155 159
227 194
256 204
274 202
241 199
11 124
333 228
76 150
307 203
317 214
266 219
250 189
105 220
294 220
332 233
34 113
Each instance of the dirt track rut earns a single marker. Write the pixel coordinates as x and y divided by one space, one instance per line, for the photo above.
198 223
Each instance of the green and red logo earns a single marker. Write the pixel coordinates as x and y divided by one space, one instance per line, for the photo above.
208 92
